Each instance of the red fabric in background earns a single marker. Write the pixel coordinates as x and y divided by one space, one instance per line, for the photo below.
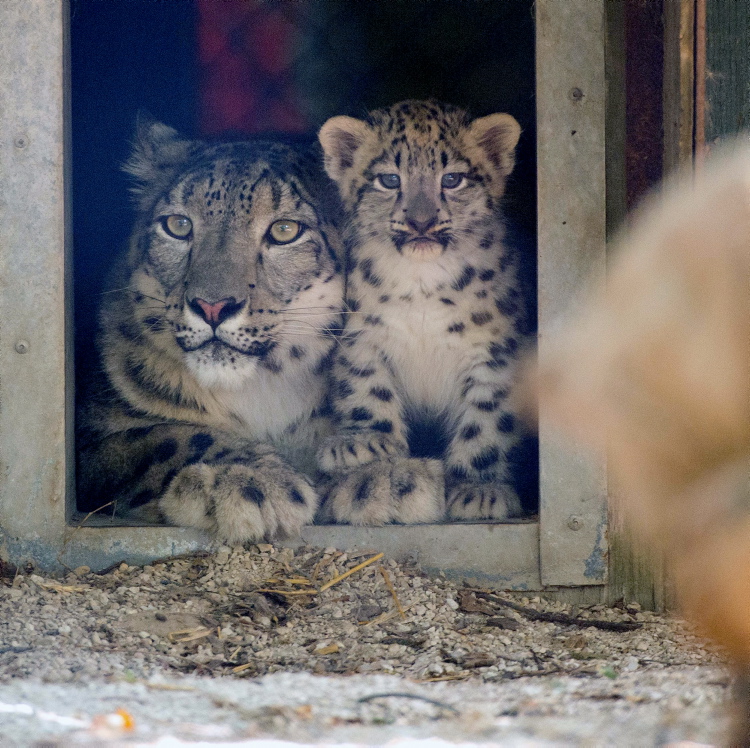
246 52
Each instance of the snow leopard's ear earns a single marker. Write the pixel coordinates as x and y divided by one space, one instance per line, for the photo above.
341 137
157 151
497 135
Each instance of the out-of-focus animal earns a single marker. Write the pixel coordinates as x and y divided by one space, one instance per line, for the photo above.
657 366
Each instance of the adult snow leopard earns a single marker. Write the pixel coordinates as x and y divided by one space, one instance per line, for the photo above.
436 319
215 336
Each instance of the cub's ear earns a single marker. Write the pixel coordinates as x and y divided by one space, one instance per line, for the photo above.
497 135
340 138
157 150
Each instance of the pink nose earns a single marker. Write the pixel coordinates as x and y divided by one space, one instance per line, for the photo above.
217 312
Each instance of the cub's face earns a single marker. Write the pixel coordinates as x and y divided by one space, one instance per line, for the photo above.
232 265
420 177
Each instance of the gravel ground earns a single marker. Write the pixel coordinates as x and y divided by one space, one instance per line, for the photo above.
279 642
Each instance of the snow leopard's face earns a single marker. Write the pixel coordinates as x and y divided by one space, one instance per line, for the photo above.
420 177
233 268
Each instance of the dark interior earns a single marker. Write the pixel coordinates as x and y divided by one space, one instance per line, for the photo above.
234 67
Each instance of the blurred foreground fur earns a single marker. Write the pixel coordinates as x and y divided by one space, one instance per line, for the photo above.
658 368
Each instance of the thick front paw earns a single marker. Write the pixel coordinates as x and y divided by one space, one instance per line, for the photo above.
241 501
349 449
401 490
497 501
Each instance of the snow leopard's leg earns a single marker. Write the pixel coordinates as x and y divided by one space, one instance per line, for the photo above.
477 471
198 477
397 490
368 409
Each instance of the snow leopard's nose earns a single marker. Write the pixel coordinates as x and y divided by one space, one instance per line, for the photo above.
214 313
421 213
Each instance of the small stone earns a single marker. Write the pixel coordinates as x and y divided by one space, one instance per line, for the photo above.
123 567
631 664
222 555
81 571
264 547
451 603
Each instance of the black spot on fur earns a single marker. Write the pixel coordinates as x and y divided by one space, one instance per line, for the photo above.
486 405
486 275
199 443
449 302
458 474
296 352
352 304
464 279
487 240
382 393
361 414
355 371
296 496
405 488
165 451
457 327
481 318
155 323
384 426
272 365
251 492
343 389
363 490
506 423
326 363
507 348
372 319
368 276
486 459
470 432
508 306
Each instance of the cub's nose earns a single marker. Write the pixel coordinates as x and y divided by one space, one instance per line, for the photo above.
214 313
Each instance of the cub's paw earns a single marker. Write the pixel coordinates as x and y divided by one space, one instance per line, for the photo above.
401 490
495 501
348 449
241 501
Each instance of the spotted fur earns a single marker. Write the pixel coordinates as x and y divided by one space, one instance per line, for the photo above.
436 320
215 340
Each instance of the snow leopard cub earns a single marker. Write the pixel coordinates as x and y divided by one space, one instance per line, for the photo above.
436 318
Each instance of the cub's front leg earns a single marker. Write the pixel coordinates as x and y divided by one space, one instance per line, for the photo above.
477 466
235 489
401 490
368 410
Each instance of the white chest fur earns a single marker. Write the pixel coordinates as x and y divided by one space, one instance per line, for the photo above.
429 363
270 402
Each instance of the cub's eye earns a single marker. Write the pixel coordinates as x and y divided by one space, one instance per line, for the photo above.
390 181
180 227
283 232
452 180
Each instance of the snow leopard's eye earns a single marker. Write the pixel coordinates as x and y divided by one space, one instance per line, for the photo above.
390 181
452 180
284 232
177 226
